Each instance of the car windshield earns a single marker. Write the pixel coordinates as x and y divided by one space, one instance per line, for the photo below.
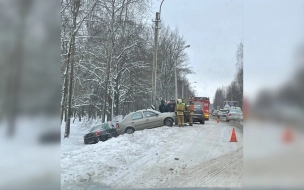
96 128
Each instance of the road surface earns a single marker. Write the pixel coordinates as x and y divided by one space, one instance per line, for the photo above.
165 157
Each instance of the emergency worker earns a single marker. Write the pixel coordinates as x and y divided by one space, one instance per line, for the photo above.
180 109
191 109
185 112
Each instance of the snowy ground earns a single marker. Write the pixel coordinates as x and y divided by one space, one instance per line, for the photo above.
26 163
197 156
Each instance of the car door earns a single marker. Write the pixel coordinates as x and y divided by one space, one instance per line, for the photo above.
152 119
234 115
239 115
138 121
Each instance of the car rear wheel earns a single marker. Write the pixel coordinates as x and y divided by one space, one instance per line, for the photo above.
168 122
129 130
202 122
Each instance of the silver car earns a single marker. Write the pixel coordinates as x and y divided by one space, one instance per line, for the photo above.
144 119
222 113
234 114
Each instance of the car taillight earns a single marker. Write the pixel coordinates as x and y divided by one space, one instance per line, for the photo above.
98 133
117 125
230 114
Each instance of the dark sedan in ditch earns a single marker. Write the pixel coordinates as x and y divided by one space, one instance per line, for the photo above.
100 132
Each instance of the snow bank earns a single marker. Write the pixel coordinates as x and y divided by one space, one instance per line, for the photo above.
143 159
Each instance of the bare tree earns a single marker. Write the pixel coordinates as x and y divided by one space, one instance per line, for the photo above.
75 9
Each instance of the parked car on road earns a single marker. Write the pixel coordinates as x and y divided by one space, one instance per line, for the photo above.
144 119
222 112
234 114
215 112
235 108
101 132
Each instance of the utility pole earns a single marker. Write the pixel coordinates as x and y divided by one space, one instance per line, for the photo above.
182 89
175 82
154 72
154 94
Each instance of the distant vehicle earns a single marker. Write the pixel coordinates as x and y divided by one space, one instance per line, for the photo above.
144 119
215 112
234 114
204 103
101 132
235 108
222 112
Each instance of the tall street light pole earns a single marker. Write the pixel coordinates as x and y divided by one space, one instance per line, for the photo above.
154 74
176 73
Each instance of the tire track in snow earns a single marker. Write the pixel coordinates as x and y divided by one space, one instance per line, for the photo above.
228 161
201 175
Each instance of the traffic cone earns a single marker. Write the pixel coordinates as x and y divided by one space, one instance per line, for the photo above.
288 135
233 136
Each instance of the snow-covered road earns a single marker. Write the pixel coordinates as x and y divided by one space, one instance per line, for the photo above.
197 156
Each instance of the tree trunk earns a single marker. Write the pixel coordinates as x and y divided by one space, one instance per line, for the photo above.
117 102
72 56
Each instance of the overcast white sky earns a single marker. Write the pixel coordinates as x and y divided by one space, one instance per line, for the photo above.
213 28
272 31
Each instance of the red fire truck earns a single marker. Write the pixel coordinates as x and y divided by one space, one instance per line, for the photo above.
204 102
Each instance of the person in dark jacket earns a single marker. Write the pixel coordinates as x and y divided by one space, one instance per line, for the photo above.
162 107
170 107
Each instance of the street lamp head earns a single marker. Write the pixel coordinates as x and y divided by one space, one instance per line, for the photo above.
187 46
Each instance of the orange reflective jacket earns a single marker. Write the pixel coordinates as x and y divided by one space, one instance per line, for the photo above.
192 108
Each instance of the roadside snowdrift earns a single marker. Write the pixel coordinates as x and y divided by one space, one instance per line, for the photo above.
158 157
